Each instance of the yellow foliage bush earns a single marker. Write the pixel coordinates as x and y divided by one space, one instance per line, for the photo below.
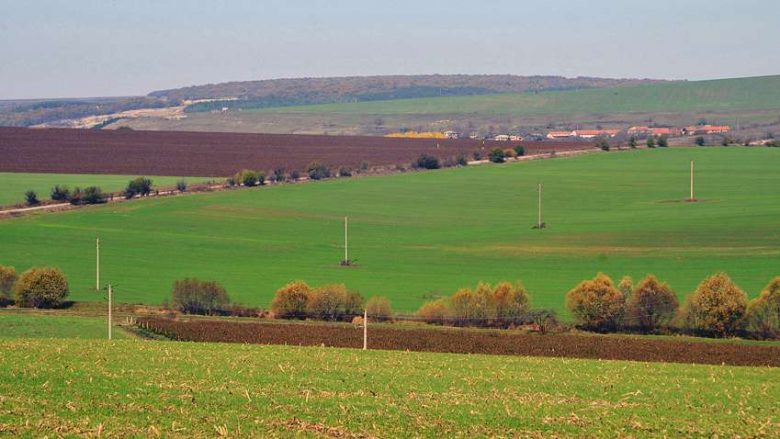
596 303
717 307
651 305
44 287
379 308
290 300
763 313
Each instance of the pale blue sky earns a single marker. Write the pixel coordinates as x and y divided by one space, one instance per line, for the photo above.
72 48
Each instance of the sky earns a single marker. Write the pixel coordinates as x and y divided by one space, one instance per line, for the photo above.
85 48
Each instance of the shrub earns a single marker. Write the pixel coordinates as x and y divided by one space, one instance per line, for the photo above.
181 186
652 305
193 296
316 171
663 141
477 155
379 308
250 178
295 175
353 304
717 307
545 320
140 186
31 198
602 144
509 304
278 175
763 313
345 172
699 141
596 303
231 181
329 302
93 195
436 311
60 193
497 155
290 300
41 288
502 306
461 160
520 150
510 153
632 142
651 142
7 280
426 161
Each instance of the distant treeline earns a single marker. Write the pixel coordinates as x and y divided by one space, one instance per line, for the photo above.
302 91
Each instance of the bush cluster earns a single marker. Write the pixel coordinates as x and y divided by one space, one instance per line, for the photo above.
297 300
250 178
193 296
426 161
317 171
89 195
763 313
501 306
140 186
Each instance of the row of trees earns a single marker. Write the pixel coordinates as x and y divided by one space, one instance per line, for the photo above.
77 196
39 287
500 306
717 308
334 302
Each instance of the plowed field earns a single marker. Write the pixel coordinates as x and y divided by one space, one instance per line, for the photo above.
179 153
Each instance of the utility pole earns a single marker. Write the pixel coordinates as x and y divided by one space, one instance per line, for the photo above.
539 212
365 329
109 311
692 196
346 252
97 264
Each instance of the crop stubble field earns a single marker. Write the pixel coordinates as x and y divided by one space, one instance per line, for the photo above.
176 389
419 235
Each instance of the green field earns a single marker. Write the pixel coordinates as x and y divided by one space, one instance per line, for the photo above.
759 93
146 389
14 185
419 235
50 325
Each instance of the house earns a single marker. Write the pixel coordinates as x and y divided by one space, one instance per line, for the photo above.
590 134
698 130
452 134
515 138
502 138
561 134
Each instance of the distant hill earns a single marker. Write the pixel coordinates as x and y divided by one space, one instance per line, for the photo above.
303 91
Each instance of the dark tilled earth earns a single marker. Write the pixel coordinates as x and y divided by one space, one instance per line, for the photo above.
199 154
635 348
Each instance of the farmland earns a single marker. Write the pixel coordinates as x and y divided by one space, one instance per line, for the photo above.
14 185
750 104
217 154
49 325
420 235
135 388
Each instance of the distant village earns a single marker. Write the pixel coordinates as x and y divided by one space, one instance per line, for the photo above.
638 132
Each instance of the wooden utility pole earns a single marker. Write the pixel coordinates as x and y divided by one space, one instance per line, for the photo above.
365 329
97 264
692 195
109 311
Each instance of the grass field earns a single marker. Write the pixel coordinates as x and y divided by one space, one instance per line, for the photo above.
714 95
50 325
418 235
14 185
138 388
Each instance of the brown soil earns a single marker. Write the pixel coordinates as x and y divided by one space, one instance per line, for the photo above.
636 348
198 154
